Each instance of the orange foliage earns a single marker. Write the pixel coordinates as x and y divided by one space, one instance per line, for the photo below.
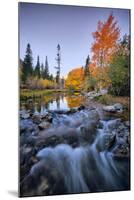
104 46
106 38
75 79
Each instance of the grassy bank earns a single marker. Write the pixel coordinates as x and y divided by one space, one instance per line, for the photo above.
109 100
26 93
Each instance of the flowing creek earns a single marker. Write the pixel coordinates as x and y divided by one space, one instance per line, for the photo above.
68 148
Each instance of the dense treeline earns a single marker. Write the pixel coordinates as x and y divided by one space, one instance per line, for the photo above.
110 64
37 77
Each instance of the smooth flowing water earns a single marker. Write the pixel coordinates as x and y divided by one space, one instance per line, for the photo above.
57 101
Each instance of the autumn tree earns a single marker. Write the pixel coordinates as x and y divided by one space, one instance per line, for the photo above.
75 79
27 69
100 77
105 41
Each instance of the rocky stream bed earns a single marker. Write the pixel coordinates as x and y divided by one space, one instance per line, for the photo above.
74 151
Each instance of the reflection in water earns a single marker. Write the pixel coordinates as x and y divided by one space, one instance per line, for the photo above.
74 101
57 101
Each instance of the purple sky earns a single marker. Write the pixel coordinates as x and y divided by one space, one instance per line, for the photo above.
44 26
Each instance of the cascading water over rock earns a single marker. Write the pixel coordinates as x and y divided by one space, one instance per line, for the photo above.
94 164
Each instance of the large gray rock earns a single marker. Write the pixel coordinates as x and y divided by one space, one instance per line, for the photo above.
93 94
118 107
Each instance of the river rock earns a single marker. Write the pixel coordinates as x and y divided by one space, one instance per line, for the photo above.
36 119
93 115
72 110
114 124
44 125
121 150
27 125
25 154
118 107
127 123
25 115
113 108
103 91
93 94
48 116
82 107
31 140
46 142
109 108
105 142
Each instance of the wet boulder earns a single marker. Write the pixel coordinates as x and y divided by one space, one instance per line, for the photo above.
118 107
114 108
127 123
36 119
93 115
44 125
113 124
48 117
72 110
121 150
82 107
103 91
93 94
27 125
24 114
105 142
87 132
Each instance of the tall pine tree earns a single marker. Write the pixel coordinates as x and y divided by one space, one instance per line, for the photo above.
37 68
46 70
42 70
27 69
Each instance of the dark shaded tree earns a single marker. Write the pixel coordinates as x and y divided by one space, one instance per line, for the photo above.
46 70
37 68
51 78
42 70
120 69
27 69
86 70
